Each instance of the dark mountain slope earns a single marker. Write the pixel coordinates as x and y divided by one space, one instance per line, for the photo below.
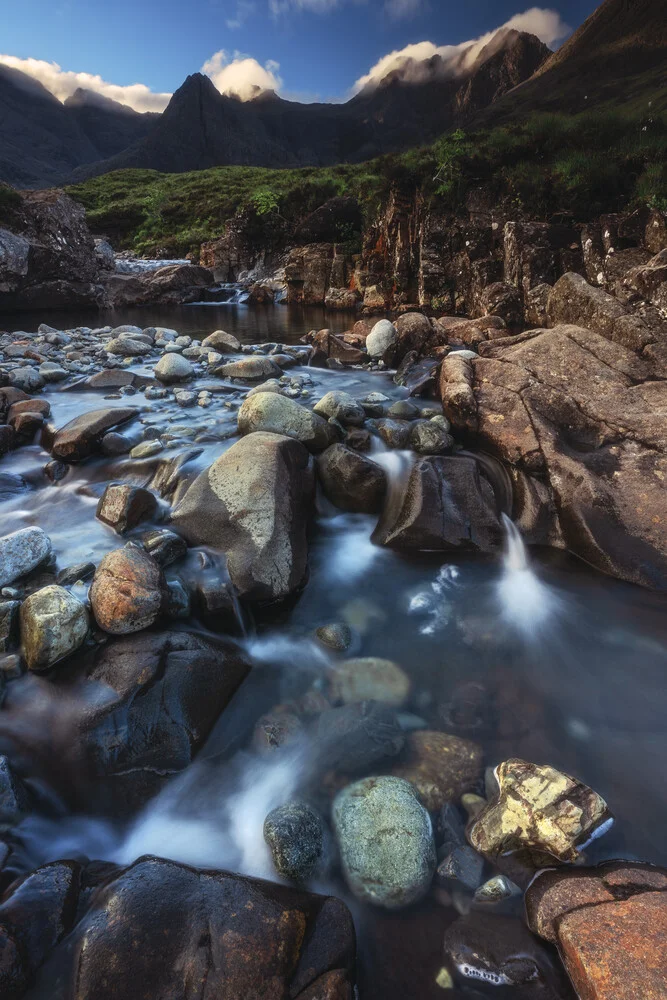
108 125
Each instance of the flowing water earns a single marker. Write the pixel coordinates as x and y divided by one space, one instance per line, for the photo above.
565 667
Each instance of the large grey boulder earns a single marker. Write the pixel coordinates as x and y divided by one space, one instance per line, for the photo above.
254 504
173 368
268 411
381 339
21 552
386 841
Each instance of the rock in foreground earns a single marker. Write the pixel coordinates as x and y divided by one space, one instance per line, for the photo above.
53 625
21 552
128 592
386 841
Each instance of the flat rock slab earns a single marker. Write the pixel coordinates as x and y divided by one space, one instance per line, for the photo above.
79 438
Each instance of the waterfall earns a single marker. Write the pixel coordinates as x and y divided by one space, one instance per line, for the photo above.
527 603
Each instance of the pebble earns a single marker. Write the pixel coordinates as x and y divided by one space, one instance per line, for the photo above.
295 835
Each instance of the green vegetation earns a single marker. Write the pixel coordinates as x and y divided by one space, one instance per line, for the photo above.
547 165
10 202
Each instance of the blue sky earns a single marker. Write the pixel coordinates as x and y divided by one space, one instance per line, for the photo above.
308 48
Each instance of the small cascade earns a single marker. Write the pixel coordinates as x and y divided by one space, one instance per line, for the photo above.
226 293
140 265
526 602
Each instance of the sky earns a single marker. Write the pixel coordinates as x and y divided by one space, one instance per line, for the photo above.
140 51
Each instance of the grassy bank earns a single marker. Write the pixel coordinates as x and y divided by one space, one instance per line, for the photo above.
548 164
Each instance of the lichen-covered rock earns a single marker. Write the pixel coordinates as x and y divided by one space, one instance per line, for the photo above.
275 414
538 811
573 300
295 835
22 551
439 766
254 503
386 841
53 625
128 592
369 678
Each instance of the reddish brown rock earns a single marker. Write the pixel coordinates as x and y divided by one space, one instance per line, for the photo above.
80 437
439 766
128 592
123 507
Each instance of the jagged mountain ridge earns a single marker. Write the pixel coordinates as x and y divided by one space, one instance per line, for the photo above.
46 143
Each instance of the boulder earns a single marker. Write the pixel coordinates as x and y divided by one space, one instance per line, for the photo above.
21 552
579 422
505 301
341 406
382 340
442 504
276 414
161 929
439 766
294 833
173 368
254 503
80 438
123 507
428 437
326 346
224 343
573 301
540 813
53 625
386 841
609 924
128 592
649 280
350 480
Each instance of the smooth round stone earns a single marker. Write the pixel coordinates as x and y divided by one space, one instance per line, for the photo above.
381 339
386 841
336 636
21 552
51 372
295 835
28 379
173 368
146 449
403 409
428 438
341 406
370 678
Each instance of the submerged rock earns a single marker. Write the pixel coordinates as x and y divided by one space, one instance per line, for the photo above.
439 766
370 678
358 737
254 504
337 636
128 592
539 812
276 414
21 552
386 841
295 835
53 625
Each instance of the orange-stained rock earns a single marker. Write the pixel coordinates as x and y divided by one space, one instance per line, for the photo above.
617 950
439 766
128 592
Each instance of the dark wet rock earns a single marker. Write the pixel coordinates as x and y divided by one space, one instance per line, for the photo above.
9 621
21 552
276 414
159 928
37 913
254 504
128 592
14 796
41 406
114 444
464 866
13 485
578 421
418 375
337 636
80 438
216 604
394 433
444 504
251 369
450 828
369 678
165 546
165 693
403 409
497 890
385 840
7 439
505 301
540 813
359 439
72 574
327 347
439 766
358 737
415 332
123 507
277 729
351 481
609 924
53 626
428 438
27 425
295 835
224 343
341 406
500 951
55 470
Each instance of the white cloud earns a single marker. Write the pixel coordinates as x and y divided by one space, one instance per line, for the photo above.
244 10
411 62
62 83
241 76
